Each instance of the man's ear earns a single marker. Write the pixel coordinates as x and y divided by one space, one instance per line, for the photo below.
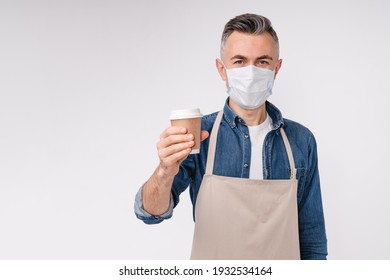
221 69
278 66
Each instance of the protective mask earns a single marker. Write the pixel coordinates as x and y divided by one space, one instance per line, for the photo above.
250 86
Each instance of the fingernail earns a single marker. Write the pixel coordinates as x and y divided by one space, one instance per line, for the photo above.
190 136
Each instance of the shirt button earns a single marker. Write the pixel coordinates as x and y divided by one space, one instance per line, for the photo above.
246 135
246 165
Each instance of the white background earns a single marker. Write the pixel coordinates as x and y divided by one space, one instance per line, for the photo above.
86 88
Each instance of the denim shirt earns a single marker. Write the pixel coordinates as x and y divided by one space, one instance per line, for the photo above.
232 159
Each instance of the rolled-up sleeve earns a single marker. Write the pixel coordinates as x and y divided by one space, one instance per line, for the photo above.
180 184
147 218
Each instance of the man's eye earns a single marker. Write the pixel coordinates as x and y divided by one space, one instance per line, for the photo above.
239 62
263 62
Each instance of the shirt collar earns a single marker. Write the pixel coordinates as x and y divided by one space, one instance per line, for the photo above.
229 115
274 113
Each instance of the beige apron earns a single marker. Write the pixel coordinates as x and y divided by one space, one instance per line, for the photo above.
245 218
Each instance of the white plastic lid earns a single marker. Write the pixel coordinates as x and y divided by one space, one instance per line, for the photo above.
185 114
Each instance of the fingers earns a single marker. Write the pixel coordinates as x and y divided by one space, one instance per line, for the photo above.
175 145
173 136
173 139
173 160
173 130
168 151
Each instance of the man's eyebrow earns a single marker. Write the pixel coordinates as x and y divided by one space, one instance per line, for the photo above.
265 57
239 56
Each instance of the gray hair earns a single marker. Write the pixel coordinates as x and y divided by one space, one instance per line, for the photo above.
250 24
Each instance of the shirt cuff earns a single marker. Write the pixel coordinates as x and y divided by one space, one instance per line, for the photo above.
146 217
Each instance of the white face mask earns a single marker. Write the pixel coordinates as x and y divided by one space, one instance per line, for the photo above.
250 86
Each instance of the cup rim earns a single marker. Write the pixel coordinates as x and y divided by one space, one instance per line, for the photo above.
185 114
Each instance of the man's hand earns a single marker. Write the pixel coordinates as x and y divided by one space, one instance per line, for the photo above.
173 147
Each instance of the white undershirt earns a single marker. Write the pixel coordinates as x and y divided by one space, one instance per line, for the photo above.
257 135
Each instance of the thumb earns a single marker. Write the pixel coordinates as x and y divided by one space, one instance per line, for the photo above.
204 135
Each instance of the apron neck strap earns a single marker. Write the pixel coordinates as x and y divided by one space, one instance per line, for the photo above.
213 143
293 171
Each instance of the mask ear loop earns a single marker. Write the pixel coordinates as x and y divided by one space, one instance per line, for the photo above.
223 64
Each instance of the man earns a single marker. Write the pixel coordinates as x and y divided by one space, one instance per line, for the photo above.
255 185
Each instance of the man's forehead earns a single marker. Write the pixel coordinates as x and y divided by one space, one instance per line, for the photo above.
239 43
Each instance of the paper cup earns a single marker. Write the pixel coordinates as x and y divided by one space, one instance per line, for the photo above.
190 119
